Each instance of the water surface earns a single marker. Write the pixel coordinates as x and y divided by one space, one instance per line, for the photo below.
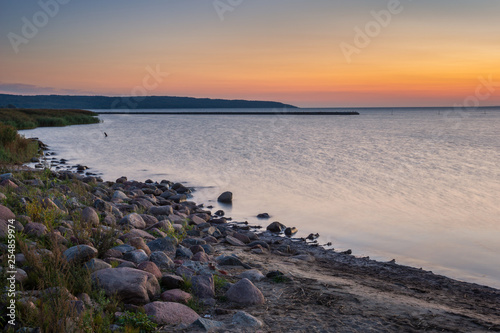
417 185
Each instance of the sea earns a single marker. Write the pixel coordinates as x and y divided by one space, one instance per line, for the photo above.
418 185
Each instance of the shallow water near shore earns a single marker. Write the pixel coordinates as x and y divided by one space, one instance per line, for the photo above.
417 185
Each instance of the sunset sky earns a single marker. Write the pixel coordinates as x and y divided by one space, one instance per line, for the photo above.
423 53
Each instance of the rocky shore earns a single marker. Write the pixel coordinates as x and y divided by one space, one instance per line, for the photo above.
130 256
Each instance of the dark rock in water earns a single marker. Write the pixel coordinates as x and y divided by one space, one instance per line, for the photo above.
226 197
312 236
178 198
121 180
34 160
149 181
220 213
263 216
347 252
290 231
276 227
218 221
81 168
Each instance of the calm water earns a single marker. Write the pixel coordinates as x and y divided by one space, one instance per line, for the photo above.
419 186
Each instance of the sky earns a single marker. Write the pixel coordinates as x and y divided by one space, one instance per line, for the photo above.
309 53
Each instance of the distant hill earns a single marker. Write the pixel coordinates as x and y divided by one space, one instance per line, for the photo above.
149 102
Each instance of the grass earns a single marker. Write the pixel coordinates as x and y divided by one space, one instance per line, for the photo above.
16 149
137 322
32 118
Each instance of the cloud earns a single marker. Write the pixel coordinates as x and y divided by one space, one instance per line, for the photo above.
30 89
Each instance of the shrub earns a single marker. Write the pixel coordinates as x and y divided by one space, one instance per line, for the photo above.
138 320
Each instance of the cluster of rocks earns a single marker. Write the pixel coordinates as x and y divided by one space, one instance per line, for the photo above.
48 160
163 244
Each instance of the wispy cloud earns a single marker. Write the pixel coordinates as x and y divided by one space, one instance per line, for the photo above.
30 89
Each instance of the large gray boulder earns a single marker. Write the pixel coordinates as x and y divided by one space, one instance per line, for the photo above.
163 244
133 220
203 286
161 260
80 253
129 284
244 292
89 216
160 210
169 313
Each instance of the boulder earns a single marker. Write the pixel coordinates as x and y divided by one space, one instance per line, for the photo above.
161 260
89 216
242 319
203 286
170 281
163 244
244 292
93 265
234 241
160 210
183 252
124 248
150 267
201 257
140 244
137 233
129 284
253 275
207 325
119 195
6 214
226 197
175 295
35 229
80 253
136 256
196 220
290 231
231 261
276 227
133 220
150 220
169 313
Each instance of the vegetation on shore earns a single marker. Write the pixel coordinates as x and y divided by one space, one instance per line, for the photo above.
14 148
32 118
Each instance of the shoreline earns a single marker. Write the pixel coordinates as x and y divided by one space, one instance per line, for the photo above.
306 287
